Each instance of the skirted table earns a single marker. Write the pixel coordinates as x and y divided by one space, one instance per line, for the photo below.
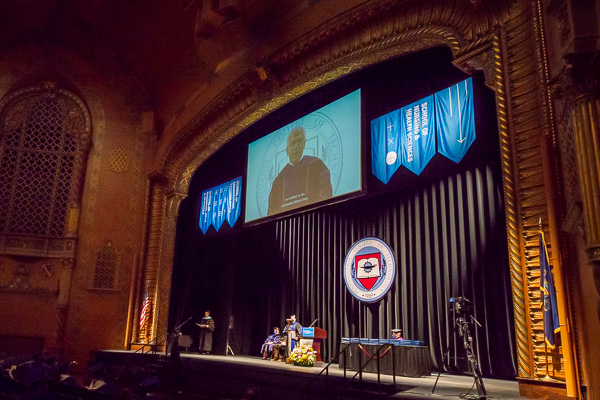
409 359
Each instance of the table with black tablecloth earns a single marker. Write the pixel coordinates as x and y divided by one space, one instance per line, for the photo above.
411 361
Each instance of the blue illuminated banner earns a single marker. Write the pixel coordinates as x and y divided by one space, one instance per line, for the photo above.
234 200
219 204
205 210
407 136
417 135
385 145
455 120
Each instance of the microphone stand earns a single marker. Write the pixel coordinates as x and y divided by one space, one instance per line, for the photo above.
179 327
175 337
227 346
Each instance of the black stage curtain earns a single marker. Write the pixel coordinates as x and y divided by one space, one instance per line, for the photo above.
449 240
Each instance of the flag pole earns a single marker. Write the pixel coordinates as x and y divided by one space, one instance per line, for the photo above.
547 377
569 358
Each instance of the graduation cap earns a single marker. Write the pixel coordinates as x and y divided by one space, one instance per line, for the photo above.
396 330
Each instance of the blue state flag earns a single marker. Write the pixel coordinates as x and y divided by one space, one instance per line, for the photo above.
548 295
417 135
219 206
206 210
234 200
455 120
385 145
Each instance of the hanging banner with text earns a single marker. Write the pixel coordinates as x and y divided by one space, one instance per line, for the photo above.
385 145
221 203
455 120
418 140
407 136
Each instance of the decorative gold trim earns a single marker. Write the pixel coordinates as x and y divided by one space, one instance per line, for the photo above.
219 133
511 209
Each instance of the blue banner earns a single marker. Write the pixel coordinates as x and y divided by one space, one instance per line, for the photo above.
417 136
205 210
455 120
234 200
221 203
385 145
548 295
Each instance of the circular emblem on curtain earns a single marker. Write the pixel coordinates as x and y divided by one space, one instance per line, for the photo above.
369 269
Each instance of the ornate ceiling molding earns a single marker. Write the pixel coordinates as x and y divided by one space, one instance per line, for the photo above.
365 35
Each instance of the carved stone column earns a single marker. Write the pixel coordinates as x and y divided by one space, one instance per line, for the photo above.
151 264
583 74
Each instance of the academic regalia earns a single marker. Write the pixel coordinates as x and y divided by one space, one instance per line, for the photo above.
207 326
297 185
294 332
267 348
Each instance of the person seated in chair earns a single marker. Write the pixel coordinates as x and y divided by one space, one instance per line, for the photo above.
267 347
280 352
397 334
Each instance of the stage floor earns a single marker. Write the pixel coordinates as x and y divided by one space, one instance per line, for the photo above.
448 386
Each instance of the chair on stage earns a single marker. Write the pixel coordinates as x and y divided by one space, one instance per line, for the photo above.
185 341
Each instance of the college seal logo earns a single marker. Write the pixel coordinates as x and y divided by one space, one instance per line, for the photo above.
369 269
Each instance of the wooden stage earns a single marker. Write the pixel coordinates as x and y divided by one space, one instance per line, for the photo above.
230 377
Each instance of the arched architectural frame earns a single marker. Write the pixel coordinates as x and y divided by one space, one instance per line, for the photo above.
365 36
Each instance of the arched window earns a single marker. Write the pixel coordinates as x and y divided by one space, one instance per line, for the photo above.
44 142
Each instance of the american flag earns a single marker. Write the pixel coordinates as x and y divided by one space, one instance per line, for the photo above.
145 311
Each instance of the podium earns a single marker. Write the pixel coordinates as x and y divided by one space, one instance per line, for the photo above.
314 337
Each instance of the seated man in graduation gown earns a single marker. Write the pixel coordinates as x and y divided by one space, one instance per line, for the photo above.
280 349
207 326
272 340
304 180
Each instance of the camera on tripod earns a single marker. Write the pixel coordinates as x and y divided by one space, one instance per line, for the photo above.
462 308
460 305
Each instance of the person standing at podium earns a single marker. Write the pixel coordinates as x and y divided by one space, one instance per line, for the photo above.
207 326
294 332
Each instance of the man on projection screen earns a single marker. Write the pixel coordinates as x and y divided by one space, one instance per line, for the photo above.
305 180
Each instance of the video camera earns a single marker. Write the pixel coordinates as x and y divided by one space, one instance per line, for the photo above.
460 304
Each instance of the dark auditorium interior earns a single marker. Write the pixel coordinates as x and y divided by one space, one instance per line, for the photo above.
139 145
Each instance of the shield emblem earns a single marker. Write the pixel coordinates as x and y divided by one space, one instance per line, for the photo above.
47 270
368 269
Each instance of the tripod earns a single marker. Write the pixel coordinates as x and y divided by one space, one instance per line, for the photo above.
463 330
227 346
446 357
